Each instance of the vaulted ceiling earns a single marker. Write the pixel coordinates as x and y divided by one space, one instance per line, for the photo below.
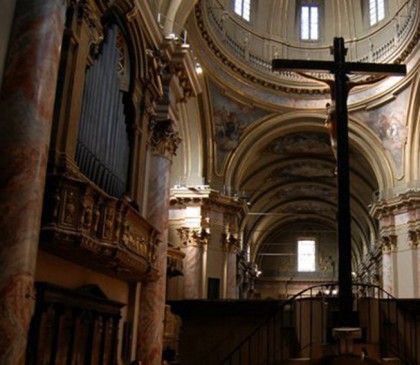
268 141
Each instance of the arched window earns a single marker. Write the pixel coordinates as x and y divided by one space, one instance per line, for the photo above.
243 8
103 144
376 11
306 254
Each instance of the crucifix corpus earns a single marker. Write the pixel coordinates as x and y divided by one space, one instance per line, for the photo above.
339 88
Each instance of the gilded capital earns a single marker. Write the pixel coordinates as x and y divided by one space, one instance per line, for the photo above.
413 238
193 236
164 139
389 243
230 242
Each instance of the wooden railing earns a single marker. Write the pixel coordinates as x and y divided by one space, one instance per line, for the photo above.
304 325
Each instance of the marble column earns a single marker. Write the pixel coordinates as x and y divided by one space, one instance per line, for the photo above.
193 271
152 300
387 274
389 264
26 107
231 292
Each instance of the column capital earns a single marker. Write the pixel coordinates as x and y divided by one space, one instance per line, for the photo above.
194 236
389 243
164 139
230 242
413 238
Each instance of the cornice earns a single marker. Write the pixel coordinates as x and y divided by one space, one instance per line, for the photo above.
207 198
396 205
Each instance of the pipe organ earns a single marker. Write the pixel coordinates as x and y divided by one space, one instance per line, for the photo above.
103 145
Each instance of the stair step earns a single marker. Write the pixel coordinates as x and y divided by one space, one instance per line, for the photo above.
299 361
391 361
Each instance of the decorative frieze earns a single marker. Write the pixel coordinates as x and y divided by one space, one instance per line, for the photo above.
85 225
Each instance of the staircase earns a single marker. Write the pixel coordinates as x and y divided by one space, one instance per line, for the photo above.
305 331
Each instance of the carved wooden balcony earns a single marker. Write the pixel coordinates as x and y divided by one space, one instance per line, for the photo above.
84 225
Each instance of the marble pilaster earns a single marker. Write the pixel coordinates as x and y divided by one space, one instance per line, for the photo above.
26 106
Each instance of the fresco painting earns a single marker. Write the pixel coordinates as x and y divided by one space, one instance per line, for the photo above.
230 119
390 125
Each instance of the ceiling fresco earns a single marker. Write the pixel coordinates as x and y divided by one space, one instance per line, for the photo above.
390 124
230 119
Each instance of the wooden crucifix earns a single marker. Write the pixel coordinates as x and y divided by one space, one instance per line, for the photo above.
339 92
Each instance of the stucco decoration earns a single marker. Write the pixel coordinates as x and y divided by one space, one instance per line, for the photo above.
300 143
390 124
309 190
230 119
303 170
308 207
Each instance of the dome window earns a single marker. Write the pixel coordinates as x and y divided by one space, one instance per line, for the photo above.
376 11
309 22
243 8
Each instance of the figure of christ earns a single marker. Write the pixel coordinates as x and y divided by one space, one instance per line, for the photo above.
331 121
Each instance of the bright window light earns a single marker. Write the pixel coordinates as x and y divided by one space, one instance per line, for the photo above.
306 255
309 22
376 11
243 8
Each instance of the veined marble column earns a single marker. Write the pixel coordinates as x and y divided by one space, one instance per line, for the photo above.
389 274
152 301
231 246
193 263
231 275
26 107
195 241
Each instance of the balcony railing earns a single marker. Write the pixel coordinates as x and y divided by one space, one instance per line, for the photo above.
257 48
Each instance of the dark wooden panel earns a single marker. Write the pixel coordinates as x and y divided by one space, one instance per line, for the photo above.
73 327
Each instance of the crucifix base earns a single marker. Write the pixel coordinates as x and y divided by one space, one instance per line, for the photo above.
346 336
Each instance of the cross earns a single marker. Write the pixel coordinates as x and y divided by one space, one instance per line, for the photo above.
339 90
